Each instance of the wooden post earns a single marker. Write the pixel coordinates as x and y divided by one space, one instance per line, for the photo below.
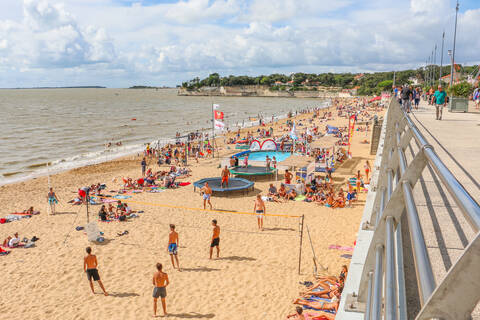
301 239
87 200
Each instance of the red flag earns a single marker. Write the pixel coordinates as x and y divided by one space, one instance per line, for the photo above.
218 115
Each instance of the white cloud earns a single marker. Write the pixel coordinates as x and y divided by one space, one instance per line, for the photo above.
99 40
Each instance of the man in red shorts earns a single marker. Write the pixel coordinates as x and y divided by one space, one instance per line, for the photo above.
225 176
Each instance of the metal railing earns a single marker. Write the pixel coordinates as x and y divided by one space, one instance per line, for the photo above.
380 284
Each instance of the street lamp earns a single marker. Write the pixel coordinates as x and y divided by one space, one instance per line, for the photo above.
450 53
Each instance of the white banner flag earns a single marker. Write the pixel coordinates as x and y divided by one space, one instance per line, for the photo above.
219 125
215 106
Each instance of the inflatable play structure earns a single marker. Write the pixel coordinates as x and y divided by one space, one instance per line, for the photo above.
266 145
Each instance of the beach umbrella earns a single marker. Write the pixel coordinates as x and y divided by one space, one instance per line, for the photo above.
324 142
296 161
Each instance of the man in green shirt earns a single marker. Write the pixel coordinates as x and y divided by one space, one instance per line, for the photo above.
440 101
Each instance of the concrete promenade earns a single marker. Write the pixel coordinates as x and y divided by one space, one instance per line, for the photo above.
456 140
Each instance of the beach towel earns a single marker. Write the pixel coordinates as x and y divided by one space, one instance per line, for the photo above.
108 200
4 252
183 184
338 247
300 198
155 191
118 196
346 256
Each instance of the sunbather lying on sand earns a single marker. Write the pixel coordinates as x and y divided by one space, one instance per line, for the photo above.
318 315
11 242
320 305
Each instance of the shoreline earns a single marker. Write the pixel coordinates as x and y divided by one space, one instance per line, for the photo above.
102 156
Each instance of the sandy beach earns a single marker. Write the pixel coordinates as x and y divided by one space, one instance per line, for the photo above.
255 278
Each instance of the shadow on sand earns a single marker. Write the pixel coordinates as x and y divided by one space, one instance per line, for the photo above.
237 258
199 269
123 294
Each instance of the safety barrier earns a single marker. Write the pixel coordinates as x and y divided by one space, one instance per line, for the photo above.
375 287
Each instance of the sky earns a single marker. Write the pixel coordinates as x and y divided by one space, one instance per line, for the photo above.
120 43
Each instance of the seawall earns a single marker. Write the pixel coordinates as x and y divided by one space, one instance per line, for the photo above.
260 91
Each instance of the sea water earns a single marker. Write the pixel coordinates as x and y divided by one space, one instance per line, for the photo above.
69 128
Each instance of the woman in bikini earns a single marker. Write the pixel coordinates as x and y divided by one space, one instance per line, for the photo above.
368 168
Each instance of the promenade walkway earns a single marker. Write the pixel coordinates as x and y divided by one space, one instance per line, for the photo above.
456 139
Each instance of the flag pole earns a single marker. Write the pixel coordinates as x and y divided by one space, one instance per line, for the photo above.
213 132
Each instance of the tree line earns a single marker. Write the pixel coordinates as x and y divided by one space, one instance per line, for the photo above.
366 84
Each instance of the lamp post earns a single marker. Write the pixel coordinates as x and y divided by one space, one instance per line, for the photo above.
435 64
441 59
454 43
451 67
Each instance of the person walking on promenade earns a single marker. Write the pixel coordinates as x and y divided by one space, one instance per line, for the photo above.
160 283
215 239
90 268
406 96
440 101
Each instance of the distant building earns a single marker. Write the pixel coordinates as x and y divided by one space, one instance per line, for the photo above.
414 81
359 76
456 78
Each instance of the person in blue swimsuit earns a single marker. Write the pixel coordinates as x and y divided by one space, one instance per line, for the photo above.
52 200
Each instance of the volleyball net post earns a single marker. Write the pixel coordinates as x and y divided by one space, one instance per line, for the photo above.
302 218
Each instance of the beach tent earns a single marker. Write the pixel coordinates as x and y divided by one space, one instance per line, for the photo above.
332 129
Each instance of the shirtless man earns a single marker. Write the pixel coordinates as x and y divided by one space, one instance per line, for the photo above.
288 177
160 283
207 193
90 267
260 210
268 161
215 239
225 176
173 246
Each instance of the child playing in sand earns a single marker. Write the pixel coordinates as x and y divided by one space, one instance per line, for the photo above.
90 267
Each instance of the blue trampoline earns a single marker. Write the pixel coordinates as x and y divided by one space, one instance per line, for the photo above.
234 184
